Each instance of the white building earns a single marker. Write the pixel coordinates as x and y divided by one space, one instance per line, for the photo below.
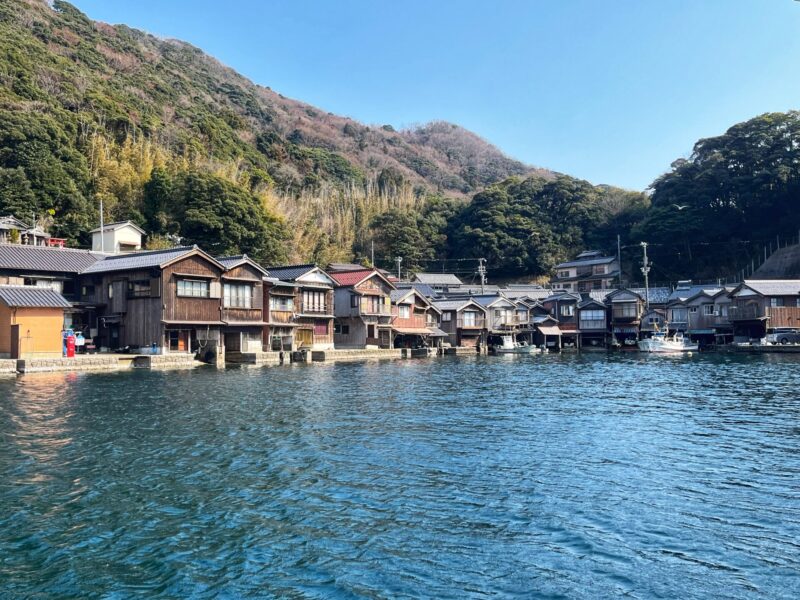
117 238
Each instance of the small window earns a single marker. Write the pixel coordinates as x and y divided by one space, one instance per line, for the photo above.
447 316
354 301
693 309
193 288
404 311
87 290
281 303
708 309
110 290
139 289
237 295
776 302
567 310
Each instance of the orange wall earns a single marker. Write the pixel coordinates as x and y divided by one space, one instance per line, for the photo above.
39 330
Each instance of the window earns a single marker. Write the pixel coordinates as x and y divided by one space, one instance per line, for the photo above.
625 310
776 302
313 302
708 309
653 320
139 289
87 290
599 269
692 309
447 316
563 274
678 315
797 302
470 318
724 310
404 311
567 310
237 295
110 290
320 328
593 315
194 288
354 301
284 303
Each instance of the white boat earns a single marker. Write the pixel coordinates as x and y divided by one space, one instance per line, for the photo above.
661 342
511 346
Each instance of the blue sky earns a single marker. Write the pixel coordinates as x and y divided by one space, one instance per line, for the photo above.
611 91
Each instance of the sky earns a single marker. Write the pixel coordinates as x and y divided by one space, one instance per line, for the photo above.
610 91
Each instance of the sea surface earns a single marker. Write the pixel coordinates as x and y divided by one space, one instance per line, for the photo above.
557 476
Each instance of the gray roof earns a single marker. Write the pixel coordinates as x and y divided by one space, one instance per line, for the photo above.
422 288
139 260
452 304
586 262
117 225
290 272
230 262
20 257
684 293
437 278
655 295
34 297
397 295
774 287
532 292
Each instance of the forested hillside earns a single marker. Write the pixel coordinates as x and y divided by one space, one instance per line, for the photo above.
184 146
90 111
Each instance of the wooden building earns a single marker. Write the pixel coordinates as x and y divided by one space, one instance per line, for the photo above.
593 326
763 304
415 321
653 320
627 308
31 322
563 306
464 322
299 301
168 300
242 305
589 270
363 309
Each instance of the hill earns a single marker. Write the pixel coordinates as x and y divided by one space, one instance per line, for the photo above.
90 110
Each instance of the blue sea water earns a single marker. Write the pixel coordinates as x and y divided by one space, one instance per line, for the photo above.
557 476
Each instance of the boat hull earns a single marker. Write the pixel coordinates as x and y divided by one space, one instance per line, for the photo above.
666 347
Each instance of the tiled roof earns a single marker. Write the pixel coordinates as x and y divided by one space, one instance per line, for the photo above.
437 278
684 293
346 278
656 295
33 297
20 257
774 287
422 288
290 272
344 267
231 262
563 296
397 295
139 260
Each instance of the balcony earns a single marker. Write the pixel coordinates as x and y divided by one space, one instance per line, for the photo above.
372 308
477 323
507 322
313 309
746 312
593 325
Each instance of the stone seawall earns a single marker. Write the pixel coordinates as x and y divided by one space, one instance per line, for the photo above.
8 366
356 354
462 351
106 362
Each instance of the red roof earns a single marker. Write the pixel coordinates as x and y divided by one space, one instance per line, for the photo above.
346 278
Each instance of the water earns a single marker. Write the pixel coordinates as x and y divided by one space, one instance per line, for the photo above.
540 476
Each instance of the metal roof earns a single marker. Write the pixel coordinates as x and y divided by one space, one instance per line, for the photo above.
437 278
16 296
290 272
455 304
118 225
422 288
586 262
774 287
20 257
684 293
141 260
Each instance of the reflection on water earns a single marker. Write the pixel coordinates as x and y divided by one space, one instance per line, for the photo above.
577 476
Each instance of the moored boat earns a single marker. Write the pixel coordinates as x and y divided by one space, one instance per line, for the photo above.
661 342
510 346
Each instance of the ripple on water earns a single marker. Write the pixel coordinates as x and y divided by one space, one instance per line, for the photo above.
549 476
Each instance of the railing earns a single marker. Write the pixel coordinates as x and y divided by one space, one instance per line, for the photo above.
746 312
624 315
478 323
380 308
313 309
506 322
593 324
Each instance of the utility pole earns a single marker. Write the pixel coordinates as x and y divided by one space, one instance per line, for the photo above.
619 263
482 273
102 230
399 261
646 270
373 254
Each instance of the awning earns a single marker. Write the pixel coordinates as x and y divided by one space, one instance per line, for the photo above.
436 332
549 329
412 330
